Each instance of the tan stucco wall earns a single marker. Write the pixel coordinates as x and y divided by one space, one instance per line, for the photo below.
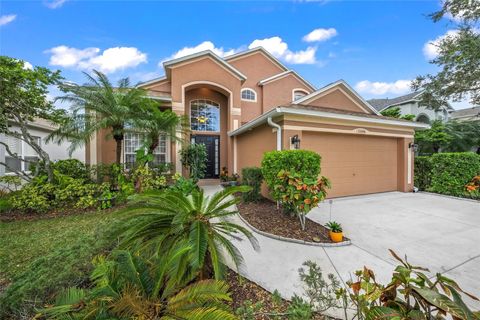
338 98
164 87
255 67
279 92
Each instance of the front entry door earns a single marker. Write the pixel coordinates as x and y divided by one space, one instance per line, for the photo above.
212 144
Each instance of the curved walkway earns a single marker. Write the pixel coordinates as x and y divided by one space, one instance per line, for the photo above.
421 225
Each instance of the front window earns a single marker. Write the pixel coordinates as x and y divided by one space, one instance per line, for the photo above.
205 115
23 151
298 94
249 95
134 142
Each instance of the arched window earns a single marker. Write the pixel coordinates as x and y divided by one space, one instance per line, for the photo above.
298 94
204 115
423 118
249 95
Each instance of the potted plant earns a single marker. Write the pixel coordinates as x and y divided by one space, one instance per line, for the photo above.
336 231
233 180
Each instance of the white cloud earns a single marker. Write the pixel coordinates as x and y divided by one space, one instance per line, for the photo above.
206 45
54 4
27 65
278 48
320 34
108 61
6 19
381 88
430 49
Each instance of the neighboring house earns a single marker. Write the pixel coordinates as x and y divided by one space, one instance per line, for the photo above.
249 103
408 104
39 129
470 114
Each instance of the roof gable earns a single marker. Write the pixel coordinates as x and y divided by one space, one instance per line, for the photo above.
338 95
286 74
259 50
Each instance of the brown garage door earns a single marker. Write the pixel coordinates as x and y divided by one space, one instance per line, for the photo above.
355 164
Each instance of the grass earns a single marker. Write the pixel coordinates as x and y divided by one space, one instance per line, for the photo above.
39 257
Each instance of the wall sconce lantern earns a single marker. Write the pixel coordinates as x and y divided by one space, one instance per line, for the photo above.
413 146
295 141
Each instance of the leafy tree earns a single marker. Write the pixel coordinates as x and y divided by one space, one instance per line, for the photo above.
465 135
23 99
395 113
173 220
433 139
127 286
458 58
98 105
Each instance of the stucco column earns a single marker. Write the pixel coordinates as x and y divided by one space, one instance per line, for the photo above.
179 109
405 165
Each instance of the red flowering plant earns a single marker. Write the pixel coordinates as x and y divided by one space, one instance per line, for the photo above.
300 193
473 187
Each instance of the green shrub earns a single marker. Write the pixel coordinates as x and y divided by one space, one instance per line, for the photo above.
194 157
305 163
10 183
452 171
69 167
35 197
5 204
423 172
252 177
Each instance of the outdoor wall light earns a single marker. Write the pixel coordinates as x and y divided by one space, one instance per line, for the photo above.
295 141
413 146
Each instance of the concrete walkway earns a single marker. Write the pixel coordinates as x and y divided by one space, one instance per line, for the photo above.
440 233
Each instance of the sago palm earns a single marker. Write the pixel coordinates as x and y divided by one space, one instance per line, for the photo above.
130 287
171 219
98 105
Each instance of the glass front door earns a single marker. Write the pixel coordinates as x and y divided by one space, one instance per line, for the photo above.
212 144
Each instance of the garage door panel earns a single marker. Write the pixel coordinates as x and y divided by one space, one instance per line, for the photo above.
355 164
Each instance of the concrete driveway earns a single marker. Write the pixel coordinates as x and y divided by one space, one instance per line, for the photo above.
437 232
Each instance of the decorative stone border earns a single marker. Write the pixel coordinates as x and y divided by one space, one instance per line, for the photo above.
308 243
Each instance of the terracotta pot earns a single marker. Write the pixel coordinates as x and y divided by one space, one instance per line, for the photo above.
336 236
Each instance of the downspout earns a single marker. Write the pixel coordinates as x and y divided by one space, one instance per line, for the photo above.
279 132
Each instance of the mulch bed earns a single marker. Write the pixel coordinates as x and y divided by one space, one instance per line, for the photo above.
243 290
265 216
16 215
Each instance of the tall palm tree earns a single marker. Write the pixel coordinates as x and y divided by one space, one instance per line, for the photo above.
131 287
99 105
171 219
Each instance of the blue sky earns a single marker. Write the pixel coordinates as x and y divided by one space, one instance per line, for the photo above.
376 46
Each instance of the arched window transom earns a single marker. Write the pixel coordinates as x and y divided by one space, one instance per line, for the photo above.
298 94
204 115
249 95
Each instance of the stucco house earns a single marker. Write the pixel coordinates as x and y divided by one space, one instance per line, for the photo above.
408 104
39 129
248 103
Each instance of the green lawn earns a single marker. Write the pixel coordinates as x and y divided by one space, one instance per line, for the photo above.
39 257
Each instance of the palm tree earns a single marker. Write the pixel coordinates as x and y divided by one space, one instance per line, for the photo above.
99 105
131 287
171 219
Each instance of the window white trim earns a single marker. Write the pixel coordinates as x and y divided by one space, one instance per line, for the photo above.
25 152
301 90
125 153
248 100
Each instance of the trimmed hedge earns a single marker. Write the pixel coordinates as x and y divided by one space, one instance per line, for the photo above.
305 163
452 171
423 172
253 177
446 173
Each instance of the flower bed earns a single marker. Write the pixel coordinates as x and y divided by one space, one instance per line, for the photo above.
264 216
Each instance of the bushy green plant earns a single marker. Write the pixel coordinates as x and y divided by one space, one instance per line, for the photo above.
452 171
10 183
334 226
411 294
253 177
300 193
423 172
147 179
35 197
76 192
173 219
183 185
303 162
128 286
194 157
5 203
